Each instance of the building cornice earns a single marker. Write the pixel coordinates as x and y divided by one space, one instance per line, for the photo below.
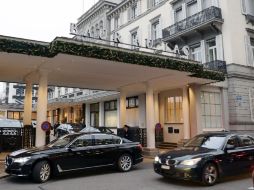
140 16
120 7
95 10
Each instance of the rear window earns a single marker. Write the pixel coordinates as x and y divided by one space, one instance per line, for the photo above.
10 123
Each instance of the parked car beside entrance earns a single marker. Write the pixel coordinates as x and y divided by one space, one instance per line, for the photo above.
73 152
208 157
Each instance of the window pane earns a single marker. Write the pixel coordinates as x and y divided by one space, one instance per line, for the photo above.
206 96
10 115
111 118
192 8
103 139
211 109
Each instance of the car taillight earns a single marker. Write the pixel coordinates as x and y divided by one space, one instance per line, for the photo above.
140 147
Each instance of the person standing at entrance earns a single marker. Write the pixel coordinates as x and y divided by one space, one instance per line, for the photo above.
126 132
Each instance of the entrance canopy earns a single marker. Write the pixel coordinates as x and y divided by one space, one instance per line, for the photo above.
72 63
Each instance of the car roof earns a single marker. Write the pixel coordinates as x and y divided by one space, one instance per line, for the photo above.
219 133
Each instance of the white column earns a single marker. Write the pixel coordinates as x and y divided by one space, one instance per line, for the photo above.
156 107
41 107
101 115
87 115
150 119
142 110
122 110
28 104
195 110
186 114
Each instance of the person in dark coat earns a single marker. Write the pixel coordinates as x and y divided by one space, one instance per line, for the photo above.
55 127
126 132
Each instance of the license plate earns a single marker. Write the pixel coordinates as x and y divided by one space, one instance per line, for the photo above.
165 167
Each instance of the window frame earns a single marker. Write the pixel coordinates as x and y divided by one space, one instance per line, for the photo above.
175 120
214 50
209 105
192 53
136 102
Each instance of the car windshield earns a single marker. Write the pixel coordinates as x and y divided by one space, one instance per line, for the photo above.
211 142
62 141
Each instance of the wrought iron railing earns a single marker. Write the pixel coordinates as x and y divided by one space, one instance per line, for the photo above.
197 19
216 65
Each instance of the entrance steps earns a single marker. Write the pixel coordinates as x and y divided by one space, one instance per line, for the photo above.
167 145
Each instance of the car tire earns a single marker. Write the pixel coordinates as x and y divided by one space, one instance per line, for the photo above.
210 174
41 172
125 163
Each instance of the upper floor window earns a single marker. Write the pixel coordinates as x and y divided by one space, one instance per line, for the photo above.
116 25
155 30
97 34
134 40
153 3
211 50
207 4
192 8
101 28
92 32
196 52
252 46
248 7
178 14
174 109
134 11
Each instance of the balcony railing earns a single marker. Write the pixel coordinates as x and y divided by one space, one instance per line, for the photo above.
216 65
207 15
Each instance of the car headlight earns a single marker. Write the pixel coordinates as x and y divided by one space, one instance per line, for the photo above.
21 160
190 162
157 159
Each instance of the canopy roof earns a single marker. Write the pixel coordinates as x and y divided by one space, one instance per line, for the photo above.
72 63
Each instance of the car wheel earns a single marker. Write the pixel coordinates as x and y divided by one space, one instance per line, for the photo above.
125 163
209 174
41 172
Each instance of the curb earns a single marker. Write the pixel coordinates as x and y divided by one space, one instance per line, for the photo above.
4 176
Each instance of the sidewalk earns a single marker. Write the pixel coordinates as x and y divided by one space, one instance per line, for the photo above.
2 167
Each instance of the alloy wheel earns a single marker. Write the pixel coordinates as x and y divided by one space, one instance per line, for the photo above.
45 172
125 162
210 174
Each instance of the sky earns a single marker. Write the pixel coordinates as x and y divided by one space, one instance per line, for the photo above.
40 20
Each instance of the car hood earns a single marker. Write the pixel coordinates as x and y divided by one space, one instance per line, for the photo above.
31 151
184 153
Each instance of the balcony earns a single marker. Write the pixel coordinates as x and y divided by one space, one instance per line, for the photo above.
216 65
195 22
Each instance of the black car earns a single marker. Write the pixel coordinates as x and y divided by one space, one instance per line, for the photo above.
208 157
74 152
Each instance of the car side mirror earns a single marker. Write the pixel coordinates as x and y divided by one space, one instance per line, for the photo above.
230 147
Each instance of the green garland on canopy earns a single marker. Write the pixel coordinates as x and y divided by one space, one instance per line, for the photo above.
106 53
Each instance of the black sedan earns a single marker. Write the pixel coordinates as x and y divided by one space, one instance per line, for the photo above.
74 152
208 157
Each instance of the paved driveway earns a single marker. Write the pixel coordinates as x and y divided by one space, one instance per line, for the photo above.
141 178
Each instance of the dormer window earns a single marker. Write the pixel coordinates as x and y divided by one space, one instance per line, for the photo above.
134 11
116 22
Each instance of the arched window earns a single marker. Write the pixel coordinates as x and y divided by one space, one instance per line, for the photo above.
92 32
101 27
88 33
97 30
